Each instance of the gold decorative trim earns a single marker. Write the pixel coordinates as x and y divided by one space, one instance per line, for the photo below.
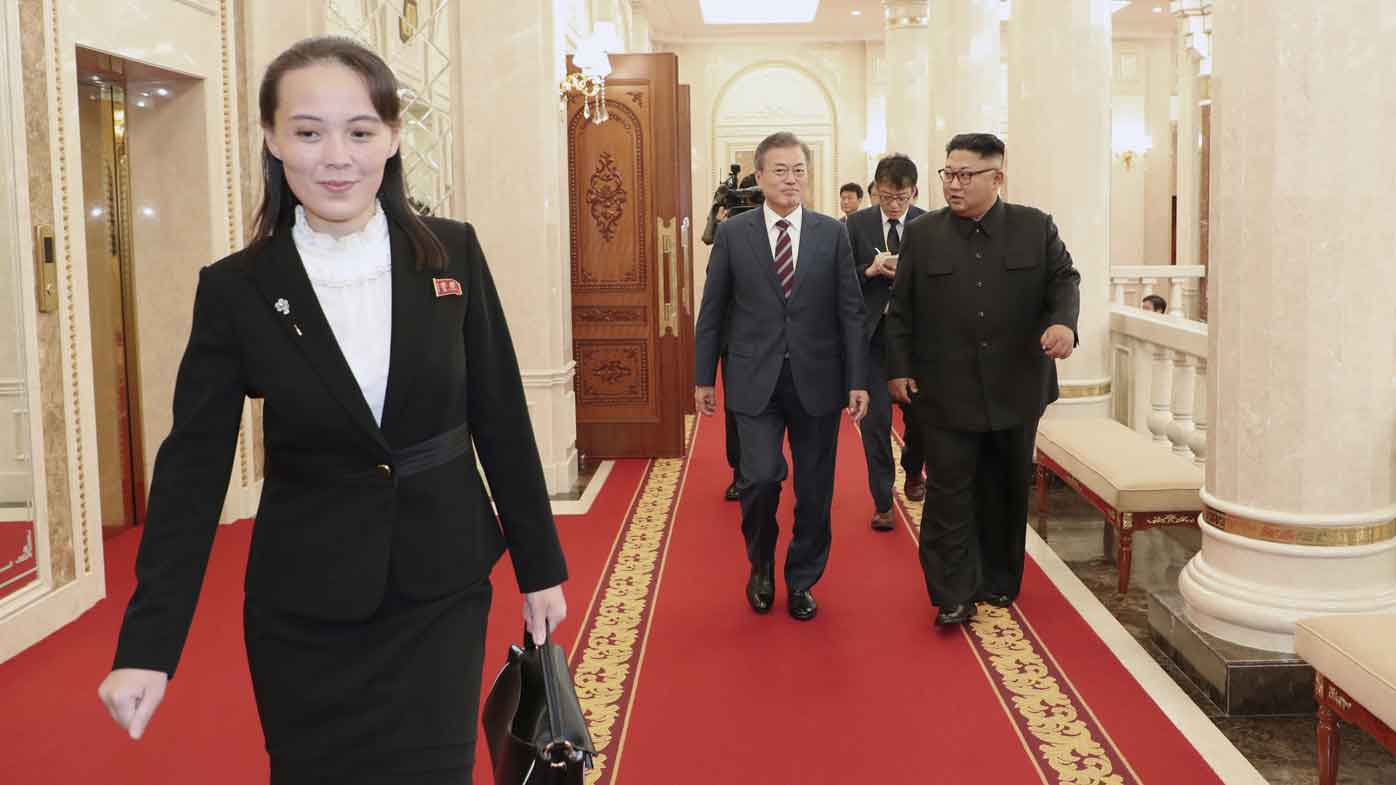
1292 534
224 31
56 57
608 661
1068 391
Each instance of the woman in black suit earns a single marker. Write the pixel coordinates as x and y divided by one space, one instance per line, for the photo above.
377 342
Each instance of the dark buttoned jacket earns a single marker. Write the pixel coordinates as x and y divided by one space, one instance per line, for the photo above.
866 237
820 327
336 517
969 306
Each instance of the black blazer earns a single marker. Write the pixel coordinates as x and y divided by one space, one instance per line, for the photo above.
821 326
332 522
865 235
968 328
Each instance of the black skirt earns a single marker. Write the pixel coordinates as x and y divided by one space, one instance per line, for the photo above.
392 699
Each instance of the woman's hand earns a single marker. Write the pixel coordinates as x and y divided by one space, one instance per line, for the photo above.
543 611
131 696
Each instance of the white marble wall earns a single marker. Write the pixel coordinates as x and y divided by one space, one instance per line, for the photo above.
1141 194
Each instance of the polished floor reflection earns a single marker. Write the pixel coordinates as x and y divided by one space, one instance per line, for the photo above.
1281 748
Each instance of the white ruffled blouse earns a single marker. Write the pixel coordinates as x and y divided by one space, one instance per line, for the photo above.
352 277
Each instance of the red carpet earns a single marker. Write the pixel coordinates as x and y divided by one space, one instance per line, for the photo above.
706 691
56 732
681 682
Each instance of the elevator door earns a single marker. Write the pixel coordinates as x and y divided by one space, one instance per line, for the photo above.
106 186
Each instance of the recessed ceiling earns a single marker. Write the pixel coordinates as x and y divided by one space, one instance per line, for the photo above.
835 19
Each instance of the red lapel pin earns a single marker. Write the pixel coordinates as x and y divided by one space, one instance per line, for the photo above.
445 286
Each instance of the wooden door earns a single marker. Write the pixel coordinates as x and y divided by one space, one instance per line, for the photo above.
686 313
626 315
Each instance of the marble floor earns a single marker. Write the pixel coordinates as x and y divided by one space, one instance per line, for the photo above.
1281 748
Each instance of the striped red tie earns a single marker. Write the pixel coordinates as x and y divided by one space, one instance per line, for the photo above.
785 258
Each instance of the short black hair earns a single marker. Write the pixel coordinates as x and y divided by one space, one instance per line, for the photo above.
984 145
748 181
896 170
872 184
853 188
1160 304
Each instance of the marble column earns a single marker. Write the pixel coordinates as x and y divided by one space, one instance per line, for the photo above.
1188 234
966 73
1299 513
908 75
1059 161
513 183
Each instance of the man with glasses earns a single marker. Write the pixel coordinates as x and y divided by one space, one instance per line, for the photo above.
795 358
985 301
876 236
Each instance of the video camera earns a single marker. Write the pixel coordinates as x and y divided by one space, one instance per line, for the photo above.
735 200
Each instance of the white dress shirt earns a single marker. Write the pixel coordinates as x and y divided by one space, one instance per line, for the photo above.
773 233
352 278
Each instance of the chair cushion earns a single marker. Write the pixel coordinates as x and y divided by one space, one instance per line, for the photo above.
1120 465
1354 652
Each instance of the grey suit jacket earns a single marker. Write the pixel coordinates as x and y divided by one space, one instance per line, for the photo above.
820 326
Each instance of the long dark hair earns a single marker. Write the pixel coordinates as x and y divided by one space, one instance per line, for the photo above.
278 208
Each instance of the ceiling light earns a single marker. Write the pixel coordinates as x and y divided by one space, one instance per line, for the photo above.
162 91
1116 5
1158 10
857 13
758 12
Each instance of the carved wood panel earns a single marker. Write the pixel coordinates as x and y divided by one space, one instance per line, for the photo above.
611 372
609 208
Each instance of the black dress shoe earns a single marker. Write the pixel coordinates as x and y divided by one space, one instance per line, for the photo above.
761 587
956 614
802 605
996 600
733 492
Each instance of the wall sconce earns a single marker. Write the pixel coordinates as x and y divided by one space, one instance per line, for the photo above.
594 66
1130 144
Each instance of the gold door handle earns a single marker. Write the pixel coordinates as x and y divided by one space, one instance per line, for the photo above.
669 315
685 269
45 269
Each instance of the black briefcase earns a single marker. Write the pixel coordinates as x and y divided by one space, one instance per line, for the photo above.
533 722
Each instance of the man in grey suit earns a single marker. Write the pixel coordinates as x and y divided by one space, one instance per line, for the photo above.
784 278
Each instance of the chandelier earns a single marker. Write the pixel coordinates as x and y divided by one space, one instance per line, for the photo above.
593 66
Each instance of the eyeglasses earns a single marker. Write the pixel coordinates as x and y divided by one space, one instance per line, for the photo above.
782 172
963 175
895 198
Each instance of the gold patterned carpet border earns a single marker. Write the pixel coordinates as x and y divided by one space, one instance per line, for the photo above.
607 664
1060 734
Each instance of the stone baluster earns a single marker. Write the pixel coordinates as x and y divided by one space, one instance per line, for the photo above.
1118 284
1160 383
1197 441
1180 430
1176 306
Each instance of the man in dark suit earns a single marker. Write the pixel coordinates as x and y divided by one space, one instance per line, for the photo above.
782 278
985 300
876 237
850 199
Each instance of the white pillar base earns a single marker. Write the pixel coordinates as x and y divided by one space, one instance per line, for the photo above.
1073 404
1251 592
552 407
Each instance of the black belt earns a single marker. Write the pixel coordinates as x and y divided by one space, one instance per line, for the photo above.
429 454
415 459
